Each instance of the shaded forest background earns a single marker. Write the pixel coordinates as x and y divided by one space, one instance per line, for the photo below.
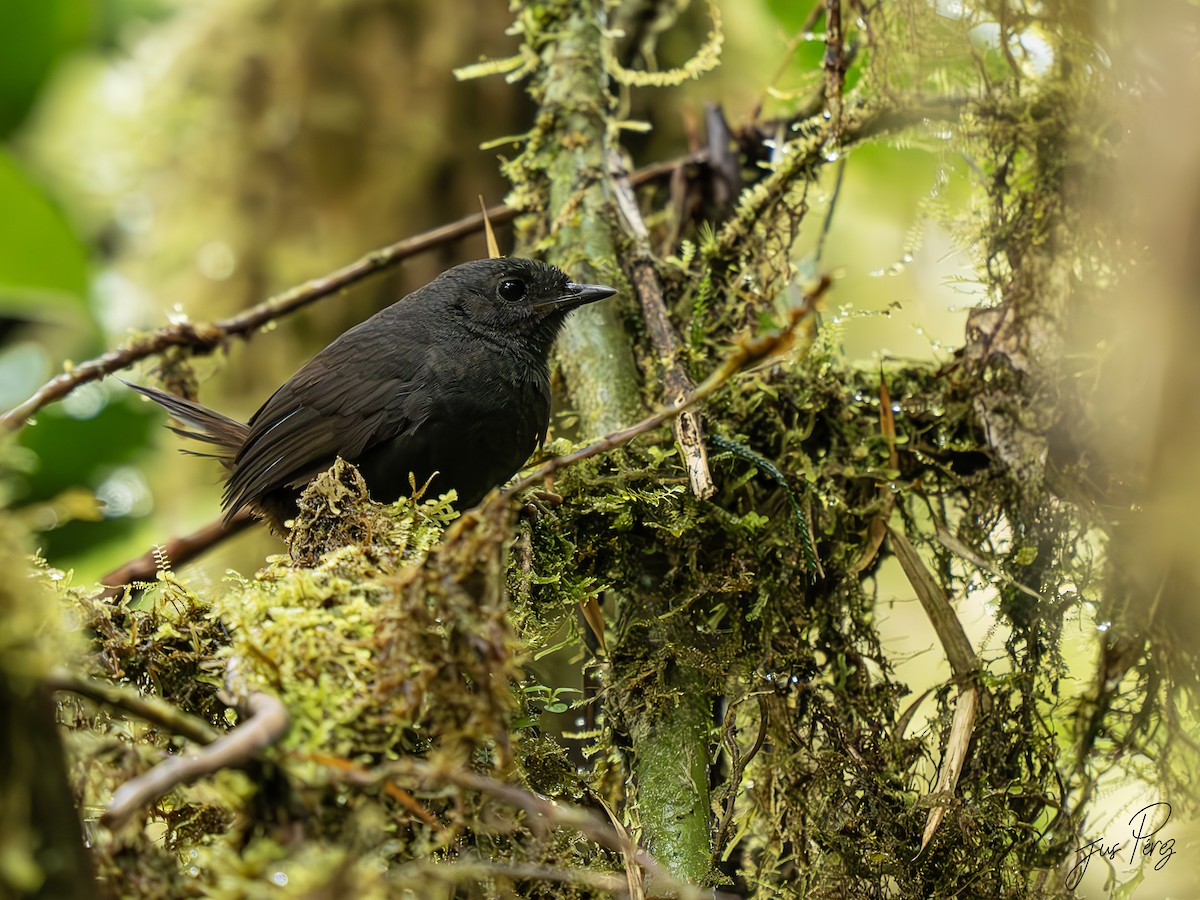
932 630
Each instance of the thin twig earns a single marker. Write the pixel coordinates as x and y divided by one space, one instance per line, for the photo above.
547 814
151 709
268 722
210 336
804 34
178 550
358 775
737 766
835 62
689 432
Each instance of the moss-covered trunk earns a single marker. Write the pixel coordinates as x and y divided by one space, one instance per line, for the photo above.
569 159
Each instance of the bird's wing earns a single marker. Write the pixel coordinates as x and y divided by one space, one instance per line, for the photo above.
324 411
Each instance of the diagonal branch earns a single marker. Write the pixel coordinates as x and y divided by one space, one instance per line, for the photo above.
151 709
689 432
266 723
178 550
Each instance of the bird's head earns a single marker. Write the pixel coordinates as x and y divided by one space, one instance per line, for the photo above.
522 299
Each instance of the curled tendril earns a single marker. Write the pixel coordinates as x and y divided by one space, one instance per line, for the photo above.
705 59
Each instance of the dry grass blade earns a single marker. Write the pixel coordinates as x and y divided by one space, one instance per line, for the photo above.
964 665
594 618
493 247
966 711
936 604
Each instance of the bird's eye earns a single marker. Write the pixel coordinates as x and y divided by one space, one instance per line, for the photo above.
512 289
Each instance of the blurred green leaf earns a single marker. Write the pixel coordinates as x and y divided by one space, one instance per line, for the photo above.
92 443
44 315
40 250
790 14
34 35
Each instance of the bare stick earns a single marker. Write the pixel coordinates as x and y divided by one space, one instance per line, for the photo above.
178 550
689 432
267 724
151 709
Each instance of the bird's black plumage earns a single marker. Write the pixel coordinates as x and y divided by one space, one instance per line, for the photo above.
453 379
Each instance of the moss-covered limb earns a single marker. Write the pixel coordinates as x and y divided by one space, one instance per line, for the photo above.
561 178
384 633
593 351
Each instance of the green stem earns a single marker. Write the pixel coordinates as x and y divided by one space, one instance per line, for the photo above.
594 351
670 741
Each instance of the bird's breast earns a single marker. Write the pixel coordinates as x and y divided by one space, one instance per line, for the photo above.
482 417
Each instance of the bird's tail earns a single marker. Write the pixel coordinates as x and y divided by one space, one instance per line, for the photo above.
226 434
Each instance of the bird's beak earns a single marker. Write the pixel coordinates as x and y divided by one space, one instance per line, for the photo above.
576 295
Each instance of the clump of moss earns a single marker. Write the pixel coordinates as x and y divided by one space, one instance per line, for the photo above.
336 511
308 627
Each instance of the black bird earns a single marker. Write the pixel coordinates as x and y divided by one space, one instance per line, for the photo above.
454 380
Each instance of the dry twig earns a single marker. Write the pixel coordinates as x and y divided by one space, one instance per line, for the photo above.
178 550
963 663
151 709
689 433
268 722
